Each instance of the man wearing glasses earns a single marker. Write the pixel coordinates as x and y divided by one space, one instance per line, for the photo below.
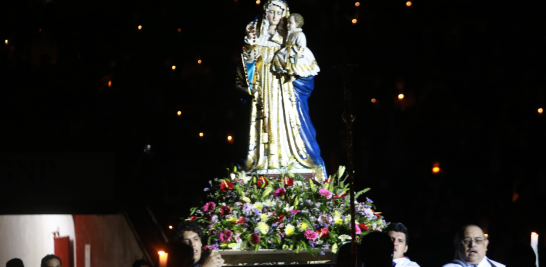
470 247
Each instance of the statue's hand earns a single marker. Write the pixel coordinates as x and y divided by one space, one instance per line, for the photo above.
250 30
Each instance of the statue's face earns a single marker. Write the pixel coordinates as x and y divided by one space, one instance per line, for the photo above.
292 23
274 15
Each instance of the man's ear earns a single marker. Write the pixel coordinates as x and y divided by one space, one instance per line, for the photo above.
406 249
486 244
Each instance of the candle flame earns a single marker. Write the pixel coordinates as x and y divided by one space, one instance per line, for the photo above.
374 100
534 233
161 253
401 96
354 21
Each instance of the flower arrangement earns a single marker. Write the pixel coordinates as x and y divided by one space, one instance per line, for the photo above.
285 213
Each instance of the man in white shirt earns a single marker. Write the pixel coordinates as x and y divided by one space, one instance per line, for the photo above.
470 247
399 236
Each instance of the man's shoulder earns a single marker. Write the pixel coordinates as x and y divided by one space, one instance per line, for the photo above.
497 264
405 262
452 265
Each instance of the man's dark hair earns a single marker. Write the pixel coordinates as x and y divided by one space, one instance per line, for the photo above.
376 250
15 262
49 257
186 226
141 262
398 227
460 233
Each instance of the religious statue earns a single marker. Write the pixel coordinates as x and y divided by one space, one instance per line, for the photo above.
278 72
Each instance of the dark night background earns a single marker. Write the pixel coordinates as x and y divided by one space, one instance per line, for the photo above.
472 73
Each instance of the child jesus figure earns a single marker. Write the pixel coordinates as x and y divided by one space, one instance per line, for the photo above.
295 59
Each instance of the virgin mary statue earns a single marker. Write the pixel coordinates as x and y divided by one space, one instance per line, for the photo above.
281 132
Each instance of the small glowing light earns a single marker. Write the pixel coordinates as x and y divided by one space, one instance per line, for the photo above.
174 67
258 2
109 83
374 100
201 134
139 27
6 41
401 96
534 233
486 235
229 138
357 4
179 29
354 21
436 168
199 61
515 197
408 3
179 113
540 110
170 227
161 253
40 30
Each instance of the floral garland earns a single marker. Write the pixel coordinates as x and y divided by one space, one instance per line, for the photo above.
288 213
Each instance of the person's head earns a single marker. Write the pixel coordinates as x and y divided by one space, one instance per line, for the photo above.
376 250
399 236
343 256
189 232
275 11
51 261
295 21
15 262
470 244
141 263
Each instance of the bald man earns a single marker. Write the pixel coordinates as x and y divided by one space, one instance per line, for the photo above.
470 248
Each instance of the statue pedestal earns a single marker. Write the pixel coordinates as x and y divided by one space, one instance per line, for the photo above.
275 257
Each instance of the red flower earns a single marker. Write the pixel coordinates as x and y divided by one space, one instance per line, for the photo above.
328 180
193 218
363 226
288 181
225 186
262 182
255 238
280 219
241 220
340 196
378 215
208 248
323 232
225 210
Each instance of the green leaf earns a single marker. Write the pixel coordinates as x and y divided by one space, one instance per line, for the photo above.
361 192
192 210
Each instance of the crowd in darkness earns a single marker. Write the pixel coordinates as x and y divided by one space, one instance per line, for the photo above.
81 76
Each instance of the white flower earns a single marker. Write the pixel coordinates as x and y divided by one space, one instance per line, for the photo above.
269 203
262 227
264 217
288 208
232 175
344 237
241 245
289 230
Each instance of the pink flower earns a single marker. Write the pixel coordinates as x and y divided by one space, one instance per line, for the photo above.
225 236
209 207
280 192
208 248
281 225
293 211
357 229
255 238
225 210
309 234
325 193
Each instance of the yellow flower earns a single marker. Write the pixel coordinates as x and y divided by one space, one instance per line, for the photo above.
258 205
303 226
231 218
264 217
269 203
289 230
246 199
262 227
338 221
337 215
